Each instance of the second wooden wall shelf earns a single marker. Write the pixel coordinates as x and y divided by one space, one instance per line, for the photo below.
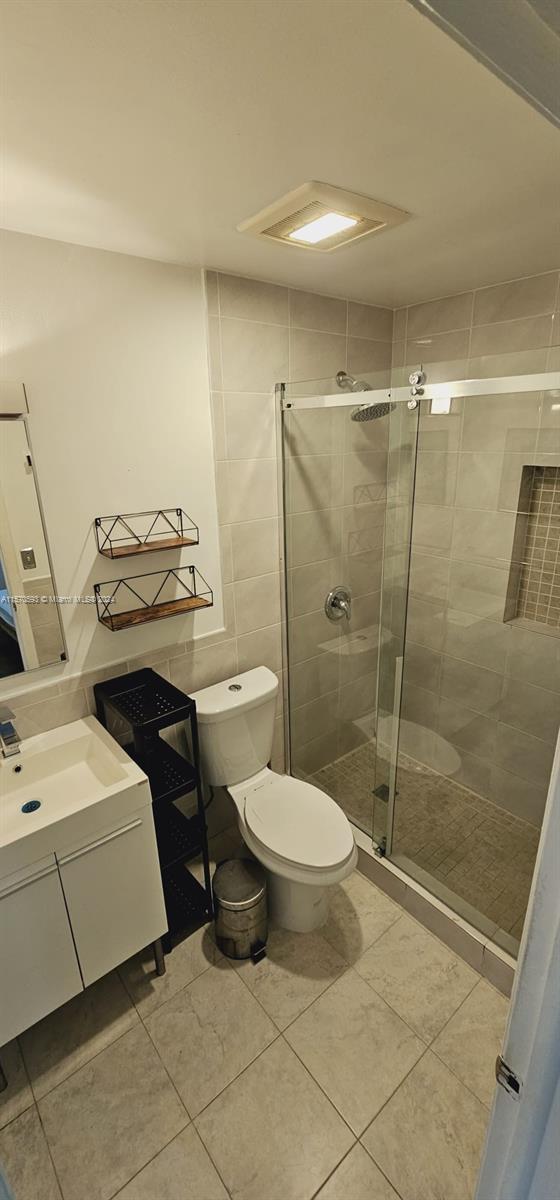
122 603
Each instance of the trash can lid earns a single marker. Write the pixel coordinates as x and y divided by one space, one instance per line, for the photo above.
239 883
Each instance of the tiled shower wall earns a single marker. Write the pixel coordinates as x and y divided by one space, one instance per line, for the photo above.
261 334
489 687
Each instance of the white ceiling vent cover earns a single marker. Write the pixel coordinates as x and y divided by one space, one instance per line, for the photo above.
312 215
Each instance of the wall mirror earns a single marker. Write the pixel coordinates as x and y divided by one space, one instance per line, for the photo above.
31 632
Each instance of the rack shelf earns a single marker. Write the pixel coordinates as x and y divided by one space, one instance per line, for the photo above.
158 594
143 704
145 699
170 774
123 534
178 837
186 902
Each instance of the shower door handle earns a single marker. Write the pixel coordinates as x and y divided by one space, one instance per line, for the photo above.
338 603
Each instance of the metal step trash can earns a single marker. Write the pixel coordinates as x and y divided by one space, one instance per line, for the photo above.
240 915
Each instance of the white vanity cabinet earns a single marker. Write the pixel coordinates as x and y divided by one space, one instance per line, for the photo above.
80 882
39 969
113 891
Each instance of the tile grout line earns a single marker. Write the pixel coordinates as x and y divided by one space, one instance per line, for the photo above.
226 1085
323 1091
330 333
39 1099
333 1172
427 1042
347 1155
190 1126
150 1160
49 1151
239 1074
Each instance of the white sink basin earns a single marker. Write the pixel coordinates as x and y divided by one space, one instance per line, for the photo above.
58 774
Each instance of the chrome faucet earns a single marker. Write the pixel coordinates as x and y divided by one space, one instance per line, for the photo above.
9 737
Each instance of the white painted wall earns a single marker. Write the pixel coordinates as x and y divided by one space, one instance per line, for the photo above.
20 498
112 350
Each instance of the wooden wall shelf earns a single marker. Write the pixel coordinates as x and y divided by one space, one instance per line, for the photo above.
125 534
124 603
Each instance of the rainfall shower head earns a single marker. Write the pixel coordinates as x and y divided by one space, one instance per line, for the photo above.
347 383
370 412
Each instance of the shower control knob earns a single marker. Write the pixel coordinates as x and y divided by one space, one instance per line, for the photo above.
416 377
417 391
338 604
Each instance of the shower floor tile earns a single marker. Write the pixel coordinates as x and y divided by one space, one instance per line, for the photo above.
287 1102
481 854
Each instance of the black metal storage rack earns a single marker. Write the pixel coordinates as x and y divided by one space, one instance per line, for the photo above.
147 704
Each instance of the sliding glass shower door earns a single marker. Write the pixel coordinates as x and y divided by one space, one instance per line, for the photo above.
422 553
477 702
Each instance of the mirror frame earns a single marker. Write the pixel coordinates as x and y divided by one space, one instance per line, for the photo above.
21 418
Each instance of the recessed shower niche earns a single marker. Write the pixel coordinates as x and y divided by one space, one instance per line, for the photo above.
534 580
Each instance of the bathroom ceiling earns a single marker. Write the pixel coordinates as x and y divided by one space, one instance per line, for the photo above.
153 127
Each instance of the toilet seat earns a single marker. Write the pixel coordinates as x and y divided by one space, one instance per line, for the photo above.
295 822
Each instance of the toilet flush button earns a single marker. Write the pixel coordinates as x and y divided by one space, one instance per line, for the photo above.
234 687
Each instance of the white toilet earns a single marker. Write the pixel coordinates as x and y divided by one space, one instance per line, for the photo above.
301 837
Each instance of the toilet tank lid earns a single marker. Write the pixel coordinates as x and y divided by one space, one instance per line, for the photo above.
235 695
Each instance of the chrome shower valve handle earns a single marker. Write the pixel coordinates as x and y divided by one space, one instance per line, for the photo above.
338 603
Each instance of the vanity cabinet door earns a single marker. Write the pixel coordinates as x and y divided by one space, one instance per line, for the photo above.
38 965
114 895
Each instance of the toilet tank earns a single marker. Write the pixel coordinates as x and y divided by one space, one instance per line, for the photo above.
236 725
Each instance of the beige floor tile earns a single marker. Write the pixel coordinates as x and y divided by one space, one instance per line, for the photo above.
356 1048
417 975
182 1171
108 1120
24 1156
18 1095
357 1178
208 1033
186 961
358 914
428 1140
471 1041
297 968
273 1133
73 1034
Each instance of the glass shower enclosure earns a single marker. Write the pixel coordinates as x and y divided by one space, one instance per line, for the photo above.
422 570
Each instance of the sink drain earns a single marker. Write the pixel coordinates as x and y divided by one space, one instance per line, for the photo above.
30 806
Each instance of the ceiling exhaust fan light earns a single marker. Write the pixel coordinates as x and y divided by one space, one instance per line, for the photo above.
319 218
322 228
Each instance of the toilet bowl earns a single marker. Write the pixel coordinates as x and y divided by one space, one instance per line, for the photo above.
301 837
